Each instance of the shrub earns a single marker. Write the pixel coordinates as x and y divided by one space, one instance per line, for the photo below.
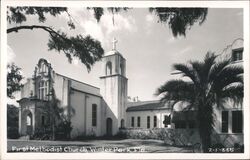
63 130
156 133
177 137
12 133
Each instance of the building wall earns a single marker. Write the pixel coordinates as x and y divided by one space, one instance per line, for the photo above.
228 138
61 85
109 93
82 119
143 116
94 130
122 99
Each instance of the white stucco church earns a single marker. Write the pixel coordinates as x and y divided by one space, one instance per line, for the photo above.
97 111
103 111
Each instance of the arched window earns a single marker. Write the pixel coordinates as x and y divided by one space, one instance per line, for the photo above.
29 119
109 68
43 90
94 115
122 124
43 68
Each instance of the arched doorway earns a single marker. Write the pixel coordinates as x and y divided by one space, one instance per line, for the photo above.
122 124
27 123
109 122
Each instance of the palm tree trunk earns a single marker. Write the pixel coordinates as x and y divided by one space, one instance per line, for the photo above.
205 118
205 139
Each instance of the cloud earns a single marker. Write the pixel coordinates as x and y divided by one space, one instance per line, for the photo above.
121 23
149 22
149 18
186 49
93 28
10 54
171 40
103 30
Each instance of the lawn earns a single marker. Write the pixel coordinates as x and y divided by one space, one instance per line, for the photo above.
84 146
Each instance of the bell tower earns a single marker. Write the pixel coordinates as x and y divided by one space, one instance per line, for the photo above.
114 90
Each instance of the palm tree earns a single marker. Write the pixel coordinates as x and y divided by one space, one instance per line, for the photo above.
209 84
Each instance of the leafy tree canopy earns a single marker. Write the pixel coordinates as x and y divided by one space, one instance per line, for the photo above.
14 78
87 49
178 19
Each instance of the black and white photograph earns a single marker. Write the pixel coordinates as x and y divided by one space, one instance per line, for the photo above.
125 79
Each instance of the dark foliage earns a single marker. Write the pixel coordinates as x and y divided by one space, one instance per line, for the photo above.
84 48
12 122
180 19
98 12
14 78
18 14
63 130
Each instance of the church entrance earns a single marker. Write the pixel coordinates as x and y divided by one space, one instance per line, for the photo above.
27 123
109 126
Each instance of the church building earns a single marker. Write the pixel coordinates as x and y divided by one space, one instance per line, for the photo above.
94 111
91 110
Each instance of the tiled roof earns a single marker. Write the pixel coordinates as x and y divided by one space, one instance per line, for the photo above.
146 105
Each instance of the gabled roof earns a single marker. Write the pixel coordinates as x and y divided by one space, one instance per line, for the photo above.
147 105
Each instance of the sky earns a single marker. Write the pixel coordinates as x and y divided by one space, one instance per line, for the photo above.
148 46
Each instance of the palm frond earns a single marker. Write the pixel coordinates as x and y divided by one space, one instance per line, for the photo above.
176 90
186 70
217 68
228 76
175 85
234 92
198 71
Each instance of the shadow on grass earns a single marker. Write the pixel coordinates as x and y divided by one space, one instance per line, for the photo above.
134 142
91 138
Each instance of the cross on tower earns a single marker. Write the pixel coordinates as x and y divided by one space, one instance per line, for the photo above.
114 43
